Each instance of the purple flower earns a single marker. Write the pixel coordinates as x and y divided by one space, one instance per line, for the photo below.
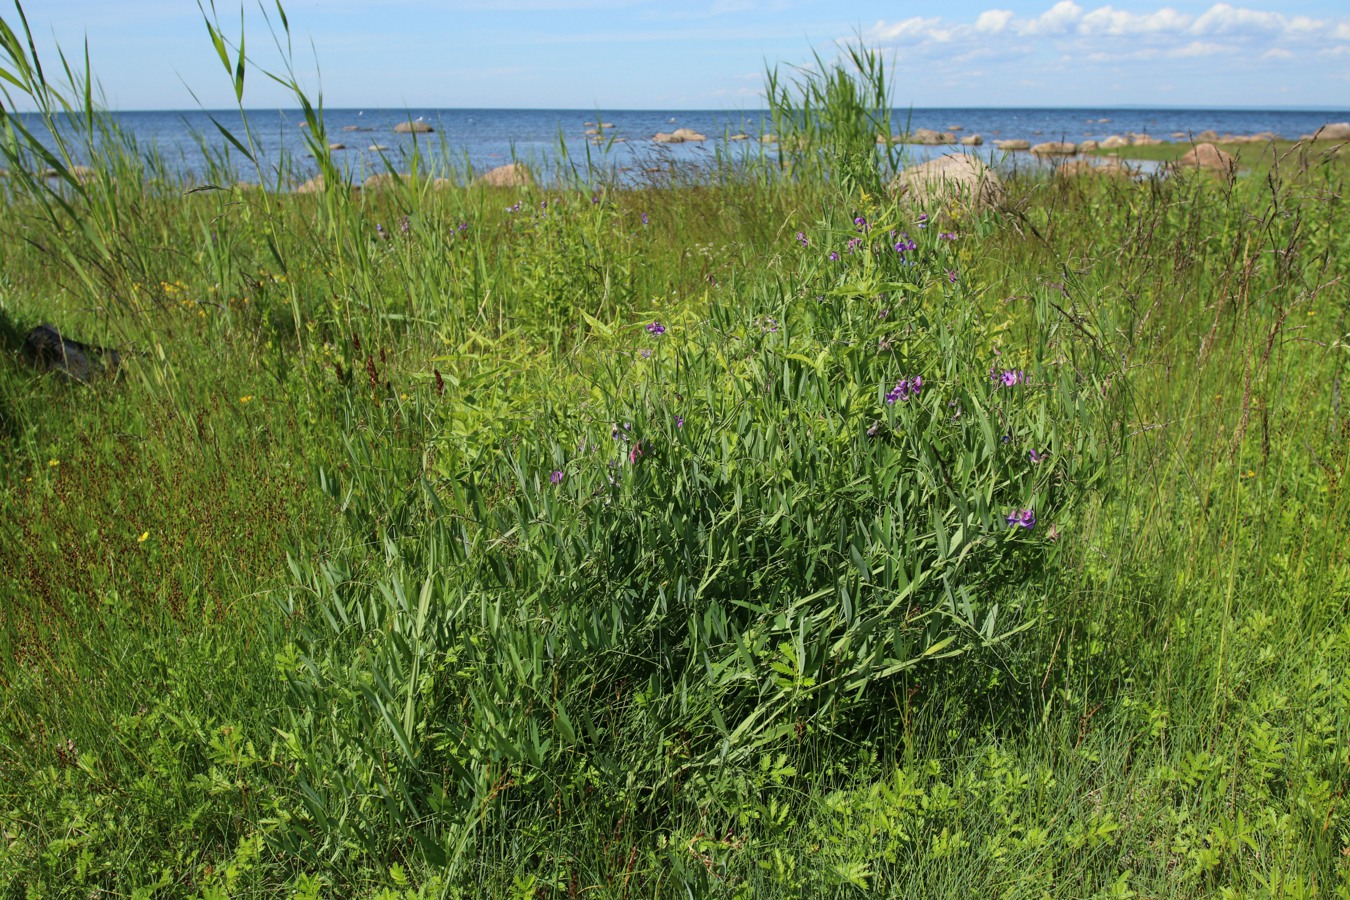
646 353
556 477
947 236
656 329
860 224
905 245
923 217
463 226
644 218
951 276
404 225
636 453
1036 457
679 421
802 239
883 314
904 389
1009 377
595 199
853 243
1022 518
834 255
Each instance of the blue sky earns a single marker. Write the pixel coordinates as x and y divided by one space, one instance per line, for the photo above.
623 54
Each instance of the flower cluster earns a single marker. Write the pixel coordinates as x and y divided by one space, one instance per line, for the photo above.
1022 518
860 224
905 244
1008 377
904 389
947 236
656 329
802 239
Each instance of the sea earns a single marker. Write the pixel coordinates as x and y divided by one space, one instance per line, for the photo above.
466 141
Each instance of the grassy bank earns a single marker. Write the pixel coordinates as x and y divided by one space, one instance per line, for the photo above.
687 539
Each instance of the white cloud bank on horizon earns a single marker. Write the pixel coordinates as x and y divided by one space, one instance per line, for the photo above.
1106 34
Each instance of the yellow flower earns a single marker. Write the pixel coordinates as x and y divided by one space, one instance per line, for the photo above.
246 399
53 463
141 539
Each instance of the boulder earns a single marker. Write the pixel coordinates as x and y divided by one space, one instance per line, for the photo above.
418 127
1144 140
954 177
739 137
377 148
509 175
314 186
1334 131
1055 148
930 137
1112 168
1207 136
689 134
1088 146
1114 142
382 180
606 124
356 128
1207 158
662 137
50 351
591 131
769 139
972 140
337 146
956 128
1014 144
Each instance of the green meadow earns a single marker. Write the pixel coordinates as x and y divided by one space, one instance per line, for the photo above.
746 532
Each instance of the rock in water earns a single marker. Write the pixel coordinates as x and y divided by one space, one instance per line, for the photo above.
1115 142
1334 131
47 349
973 140
689 134
955 176
1055 148
413 128
1014 144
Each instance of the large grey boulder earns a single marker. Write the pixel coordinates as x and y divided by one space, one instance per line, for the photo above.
1334 131
417 127
50 351
1013 144
954 177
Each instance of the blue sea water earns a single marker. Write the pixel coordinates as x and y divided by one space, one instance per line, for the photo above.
483 138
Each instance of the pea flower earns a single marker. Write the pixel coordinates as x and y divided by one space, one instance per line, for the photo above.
1022 518
556 477
656 329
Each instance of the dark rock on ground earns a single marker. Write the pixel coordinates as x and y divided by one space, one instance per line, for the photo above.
50 351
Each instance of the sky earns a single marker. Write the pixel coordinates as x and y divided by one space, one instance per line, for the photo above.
708 54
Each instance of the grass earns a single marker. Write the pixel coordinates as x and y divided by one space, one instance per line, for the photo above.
418 562
1256 158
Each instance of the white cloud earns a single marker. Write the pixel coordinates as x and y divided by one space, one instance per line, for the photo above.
1109 20
1197 48
1107 33
1224 18
1055 20
993 21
